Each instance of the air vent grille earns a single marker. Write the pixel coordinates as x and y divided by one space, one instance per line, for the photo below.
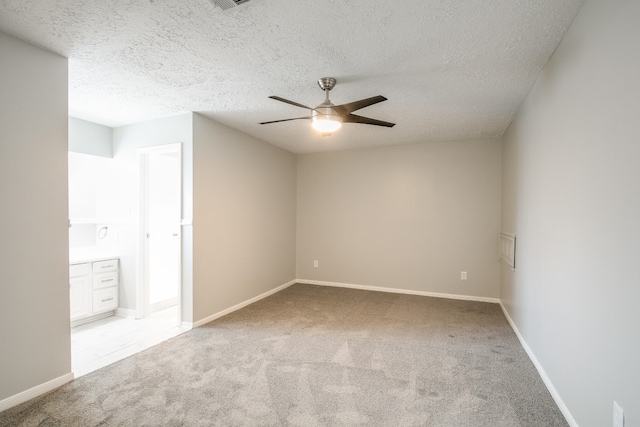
228 4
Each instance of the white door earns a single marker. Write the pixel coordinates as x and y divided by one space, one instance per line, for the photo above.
161 225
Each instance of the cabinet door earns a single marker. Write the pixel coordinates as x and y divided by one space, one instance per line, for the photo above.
80 299
78 270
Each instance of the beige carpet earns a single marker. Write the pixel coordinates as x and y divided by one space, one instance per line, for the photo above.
317 356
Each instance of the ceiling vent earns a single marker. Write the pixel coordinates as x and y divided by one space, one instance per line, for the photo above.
228 4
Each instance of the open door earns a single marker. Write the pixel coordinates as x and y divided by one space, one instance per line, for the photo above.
161 207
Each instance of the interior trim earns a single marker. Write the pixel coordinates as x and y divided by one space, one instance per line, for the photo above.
238 306
126 312
400 291
545 378
34 392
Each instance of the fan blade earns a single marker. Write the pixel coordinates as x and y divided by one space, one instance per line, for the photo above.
352 118
345 109
285 120
286 101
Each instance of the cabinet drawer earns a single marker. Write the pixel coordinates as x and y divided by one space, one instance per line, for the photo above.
77 270
105 280
105 300
104 266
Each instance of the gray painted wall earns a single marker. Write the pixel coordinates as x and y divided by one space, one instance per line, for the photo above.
90 138
408 217
34 257
126 142
572 194
244 217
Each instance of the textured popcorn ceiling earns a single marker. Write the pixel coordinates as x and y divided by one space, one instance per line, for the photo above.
452 69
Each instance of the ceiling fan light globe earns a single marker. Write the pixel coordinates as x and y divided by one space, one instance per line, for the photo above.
326 123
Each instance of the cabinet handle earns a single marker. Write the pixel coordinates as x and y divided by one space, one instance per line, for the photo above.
105 300
107 266
107 280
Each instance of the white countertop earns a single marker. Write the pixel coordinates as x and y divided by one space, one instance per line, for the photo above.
90 254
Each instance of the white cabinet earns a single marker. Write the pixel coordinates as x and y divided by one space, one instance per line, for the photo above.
105 300
103 266
105 286
80 290
105 280
93 289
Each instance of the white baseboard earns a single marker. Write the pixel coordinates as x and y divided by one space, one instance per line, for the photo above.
545 378
36 391
92 318
162 305
237 306
126 312
399 291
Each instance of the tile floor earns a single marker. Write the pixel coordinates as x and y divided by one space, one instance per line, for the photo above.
100 343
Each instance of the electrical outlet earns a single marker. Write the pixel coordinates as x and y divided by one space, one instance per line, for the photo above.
618 415
315 264
463 275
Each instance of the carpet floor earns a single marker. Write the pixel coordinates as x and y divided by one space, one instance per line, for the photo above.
317 356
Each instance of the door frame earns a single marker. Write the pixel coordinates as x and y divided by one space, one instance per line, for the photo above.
142 285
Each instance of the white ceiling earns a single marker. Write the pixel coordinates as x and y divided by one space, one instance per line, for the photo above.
451 69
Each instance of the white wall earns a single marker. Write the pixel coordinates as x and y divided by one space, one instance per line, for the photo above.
93 201
572 194
407 217
126 142
34 273
90 180
90 138
244 217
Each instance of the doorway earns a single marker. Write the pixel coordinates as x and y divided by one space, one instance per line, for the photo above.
104 228
159 284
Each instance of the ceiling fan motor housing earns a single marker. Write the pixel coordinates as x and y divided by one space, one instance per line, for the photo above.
324 118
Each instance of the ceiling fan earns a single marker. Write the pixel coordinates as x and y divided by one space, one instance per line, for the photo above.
327 117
